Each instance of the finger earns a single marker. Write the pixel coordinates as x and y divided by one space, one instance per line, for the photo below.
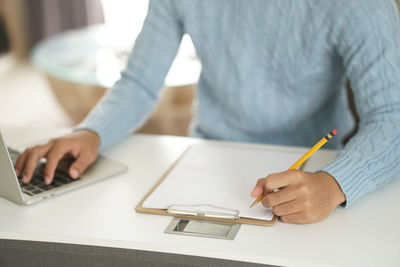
293 218
284 195
81 163
31 162
53 158
259 188
19 164
288 208
303 216
280 180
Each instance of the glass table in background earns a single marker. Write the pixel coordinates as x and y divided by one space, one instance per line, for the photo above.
81 64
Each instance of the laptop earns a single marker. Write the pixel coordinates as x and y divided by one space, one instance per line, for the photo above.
13 189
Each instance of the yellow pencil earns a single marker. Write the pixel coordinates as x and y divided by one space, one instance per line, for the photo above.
317 146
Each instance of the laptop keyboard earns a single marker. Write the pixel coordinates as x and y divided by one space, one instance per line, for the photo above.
37 185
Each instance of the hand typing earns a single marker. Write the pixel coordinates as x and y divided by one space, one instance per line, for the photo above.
81 145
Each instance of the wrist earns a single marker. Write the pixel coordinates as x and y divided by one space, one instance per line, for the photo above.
91 135
338 197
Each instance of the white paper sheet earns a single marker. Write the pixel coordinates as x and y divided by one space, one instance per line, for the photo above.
222 176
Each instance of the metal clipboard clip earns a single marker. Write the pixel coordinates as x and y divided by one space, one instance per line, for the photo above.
204 210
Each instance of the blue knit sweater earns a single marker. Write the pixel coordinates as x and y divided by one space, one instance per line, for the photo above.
275 72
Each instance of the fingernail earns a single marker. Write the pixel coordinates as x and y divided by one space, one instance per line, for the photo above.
47 180
17 172
24 179
74 173
256 192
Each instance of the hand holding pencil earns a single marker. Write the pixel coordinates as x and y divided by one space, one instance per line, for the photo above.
302 197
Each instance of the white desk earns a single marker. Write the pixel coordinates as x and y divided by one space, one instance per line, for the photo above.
366 234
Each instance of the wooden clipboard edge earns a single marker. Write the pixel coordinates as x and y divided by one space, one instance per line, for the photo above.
139 207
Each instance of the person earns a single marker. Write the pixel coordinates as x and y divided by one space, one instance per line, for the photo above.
272 72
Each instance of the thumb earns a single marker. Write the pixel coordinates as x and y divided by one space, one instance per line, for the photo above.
259 188
80 165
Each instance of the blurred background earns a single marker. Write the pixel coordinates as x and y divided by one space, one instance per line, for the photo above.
58 57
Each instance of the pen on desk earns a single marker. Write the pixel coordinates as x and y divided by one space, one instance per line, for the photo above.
308 154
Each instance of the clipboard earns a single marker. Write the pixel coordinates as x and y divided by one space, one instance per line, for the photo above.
195 212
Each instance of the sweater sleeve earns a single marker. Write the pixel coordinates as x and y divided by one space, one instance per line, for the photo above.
369 45
132 98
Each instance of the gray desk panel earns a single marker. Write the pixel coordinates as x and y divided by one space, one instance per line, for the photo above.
15 253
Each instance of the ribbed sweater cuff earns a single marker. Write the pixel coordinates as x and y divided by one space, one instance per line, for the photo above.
348 174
